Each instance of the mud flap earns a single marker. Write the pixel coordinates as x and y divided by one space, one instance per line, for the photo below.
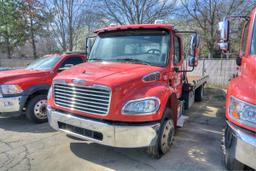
181 117
181 120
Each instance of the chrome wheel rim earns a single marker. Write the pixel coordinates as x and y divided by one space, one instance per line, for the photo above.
40 109
167 136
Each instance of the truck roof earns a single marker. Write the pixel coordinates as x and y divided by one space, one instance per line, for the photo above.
135 27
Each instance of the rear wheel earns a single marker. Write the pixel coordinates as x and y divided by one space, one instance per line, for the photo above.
229 155
199 93
165 137
37 109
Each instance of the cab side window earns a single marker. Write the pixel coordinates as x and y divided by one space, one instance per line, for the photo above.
244 39
72 61
176 51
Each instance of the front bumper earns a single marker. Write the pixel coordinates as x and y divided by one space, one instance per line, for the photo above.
245 147
9 104
125 136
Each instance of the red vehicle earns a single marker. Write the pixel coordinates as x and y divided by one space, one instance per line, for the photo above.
240 132
25 90
131 92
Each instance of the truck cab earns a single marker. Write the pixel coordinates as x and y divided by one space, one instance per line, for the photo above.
25 90
240 132
131 92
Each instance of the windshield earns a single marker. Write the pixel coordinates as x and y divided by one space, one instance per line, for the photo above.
140 46
253 41
44 63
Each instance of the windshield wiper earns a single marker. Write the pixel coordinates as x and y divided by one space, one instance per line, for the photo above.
138 61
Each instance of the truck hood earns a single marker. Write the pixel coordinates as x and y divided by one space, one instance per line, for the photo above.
12 76
107 73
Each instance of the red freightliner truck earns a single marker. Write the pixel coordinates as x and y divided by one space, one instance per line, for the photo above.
132 91
240 132
25 90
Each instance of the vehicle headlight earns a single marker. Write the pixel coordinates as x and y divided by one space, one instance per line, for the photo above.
49 93
147 105
242 112
8 89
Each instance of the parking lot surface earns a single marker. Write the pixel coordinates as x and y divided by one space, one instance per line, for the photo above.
197 146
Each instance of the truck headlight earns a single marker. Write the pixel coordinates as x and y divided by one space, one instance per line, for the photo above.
9 89
147 105
242 112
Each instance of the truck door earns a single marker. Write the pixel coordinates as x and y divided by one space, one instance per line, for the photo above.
177 65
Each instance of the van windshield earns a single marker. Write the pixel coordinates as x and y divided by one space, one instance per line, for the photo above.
44 63
149 47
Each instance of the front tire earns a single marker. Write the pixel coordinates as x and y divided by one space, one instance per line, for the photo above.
229 155
199 93
37 109
165 137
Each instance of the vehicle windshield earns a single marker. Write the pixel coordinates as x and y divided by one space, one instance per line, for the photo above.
44 63
253 41
149 47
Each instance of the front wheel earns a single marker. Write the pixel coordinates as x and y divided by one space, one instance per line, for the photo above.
165 137
37 109
199 93
229 155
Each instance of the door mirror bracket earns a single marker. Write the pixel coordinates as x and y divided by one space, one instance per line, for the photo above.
193 51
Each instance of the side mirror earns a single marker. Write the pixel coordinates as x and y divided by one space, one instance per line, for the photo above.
89 43
193 50
224 35
65 67
192 61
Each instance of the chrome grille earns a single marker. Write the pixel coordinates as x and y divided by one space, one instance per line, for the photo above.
89 99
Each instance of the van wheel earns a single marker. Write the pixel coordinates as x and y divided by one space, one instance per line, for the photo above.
37 109
165 137
199 93
229 155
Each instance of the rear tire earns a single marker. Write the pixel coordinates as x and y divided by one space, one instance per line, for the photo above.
229 156
165 137
199 93
36 109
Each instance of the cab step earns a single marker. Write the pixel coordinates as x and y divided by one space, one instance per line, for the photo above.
181 120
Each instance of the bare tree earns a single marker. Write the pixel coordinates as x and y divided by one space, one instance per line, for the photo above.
206 15
67 18
136 11
36 19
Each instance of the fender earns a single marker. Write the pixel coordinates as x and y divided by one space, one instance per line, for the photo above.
31 90
171 101
242 92
165 93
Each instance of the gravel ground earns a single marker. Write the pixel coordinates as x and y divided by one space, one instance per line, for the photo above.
197 146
